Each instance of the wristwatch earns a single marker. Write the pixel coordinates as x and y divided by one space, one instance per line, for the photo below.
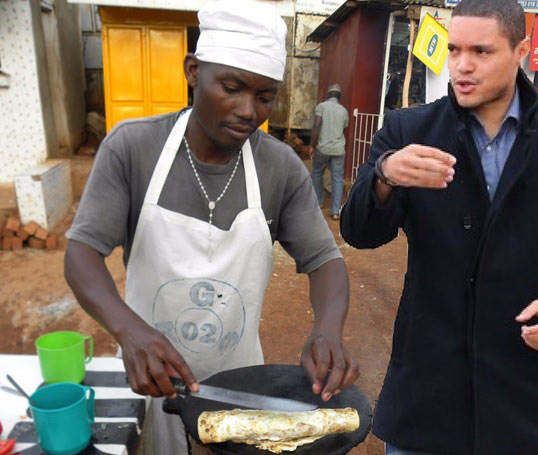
378 169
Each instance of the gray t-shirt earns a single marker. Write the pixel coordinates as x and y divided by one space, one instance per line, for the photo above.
334 119
110 206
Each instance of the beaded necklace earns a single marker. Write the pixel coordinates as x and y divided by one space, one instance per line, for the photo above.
211 204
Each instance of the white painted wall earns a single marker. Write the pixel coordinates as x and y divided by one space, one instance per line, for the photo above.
23 141
436 86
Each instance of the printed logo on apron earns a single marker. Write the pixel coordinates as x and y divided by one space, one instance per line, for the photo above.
210 323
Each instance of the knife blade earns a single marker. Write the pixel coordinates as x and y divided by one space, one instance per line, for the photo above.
247 399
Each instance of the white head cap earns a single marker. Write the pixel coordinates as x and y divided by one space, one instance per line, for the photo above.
245 34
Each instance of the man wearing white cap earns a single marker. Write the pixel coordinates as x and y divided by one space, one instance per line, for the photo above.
328 147
197 199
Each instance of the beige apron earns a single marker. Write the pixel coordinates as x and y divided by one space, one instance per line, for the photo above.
199 285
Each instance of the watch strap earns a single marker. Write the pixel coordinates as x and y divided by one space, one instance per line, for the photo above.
378 168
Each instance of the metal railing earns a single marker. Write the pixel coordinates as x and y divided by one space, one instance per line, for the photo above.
365 127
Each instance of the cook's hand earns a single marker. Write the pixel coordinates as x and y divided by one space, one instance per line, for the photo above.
150 360
529 333
321 354
311 151
420 166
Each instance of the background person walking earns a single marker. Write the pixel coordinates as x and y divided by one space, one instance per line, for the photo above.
328 147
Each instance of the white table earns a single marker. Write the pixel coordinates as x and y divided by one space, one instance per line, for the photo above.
119 411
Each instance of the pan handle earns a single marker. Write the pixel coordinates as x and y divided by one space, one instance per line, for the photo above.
180 387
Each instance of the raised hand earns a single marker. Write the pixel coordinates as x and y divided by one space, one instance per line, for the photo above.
420 166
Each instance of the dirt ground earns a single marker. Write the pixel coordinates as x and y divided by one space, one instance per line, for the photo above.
35 299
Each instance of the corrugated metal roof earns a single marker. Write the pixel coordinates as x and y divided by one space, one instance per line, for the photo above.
347 8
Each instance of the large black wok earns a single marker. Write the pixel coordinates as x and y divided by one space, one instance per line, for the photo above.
288 381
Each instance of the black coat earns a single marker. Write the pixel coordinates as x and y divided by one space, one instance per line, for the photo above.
460 380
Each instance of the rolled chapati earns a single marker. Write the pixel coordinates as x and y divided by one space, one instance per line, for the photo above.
272 430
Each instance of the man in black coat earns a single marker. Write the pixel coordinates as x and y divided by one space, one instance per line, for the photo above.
460 176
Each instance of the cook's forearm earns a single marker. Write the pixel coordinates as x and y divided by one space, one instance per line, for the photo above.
329 294
86 273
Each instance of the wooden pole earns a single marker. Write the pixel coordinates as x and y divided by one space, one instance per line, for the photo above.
409 68
291 72
388 40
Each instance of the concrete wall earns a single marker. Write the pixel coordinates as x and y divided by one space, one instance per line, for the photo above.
298 93
23 138
63 43
281 109
304 77
305 72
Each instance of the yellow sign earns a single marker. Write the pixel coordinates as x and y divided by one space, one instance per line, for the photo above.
431 45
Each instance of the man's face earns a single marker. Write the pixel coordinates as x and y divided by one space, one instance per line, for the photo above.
482 64
231 103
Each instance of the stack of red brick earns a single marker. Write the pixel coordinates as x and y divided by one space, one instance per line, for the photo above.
15 235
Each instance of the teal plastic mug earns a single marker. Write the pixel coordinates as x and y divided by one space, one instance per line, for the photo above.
63 417
62 356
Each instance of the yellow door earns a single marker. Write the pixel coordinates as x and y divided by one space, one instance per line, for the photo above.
143 70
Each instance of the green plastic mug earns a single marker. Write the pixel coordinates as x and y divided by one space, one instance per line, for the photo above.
63 416
62 356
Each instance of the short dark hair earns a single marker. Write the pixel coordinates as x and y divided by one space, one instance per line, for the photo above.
334 94
509 15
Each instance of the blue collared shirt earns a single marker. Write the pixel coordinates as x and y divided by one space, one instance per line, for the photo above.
494 152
